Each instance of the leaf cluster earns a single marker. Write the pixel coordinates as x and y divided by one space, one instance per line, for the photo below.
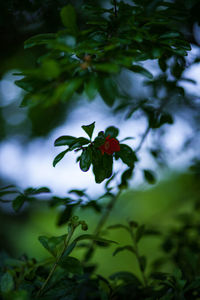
91 153
23 277
88 59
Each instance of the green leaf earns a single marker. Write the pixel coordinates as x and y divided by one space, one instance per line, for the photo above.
69 249
108 90
80 193
65 215
127 247
89 129
102 165
142 262
118 226
162 63
99 174
18 202
107 67
32 191
93 238
99 140
66 90
139 233
69 88
166 118
7 192
50 69
71 264
7 283
7 187
86 159
52 243
169 35
91 88
59 157
127 277
39 39
68 17
79 142
64 140
127 155
149 176
27 85
126 175
112 131
141 70
107 164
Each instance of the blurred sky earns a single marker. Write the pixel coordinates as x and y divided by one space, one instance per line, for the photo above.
32 165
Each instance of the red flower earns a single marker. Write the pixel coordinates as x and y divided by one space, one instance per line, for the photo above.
110 146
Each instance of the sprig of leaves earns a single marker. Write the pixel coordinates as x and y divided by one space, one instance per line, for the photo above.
91 155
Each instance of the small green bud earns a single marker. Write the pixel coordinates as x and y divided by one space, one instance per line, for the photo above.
84 225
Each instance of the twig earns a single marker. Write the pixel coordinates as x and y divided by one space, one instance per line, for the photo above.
66 242
107 212
103 220
138 257
143 138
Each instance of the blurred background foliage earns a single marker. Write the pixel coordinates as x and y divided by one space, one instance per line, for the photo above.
164 92
173 204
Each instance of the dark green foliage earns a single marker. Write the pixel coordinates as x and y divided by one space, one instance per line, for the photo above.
149 176
180 249
87 58
86 159
127 155
64 140
68 16
59 157
52 243
93 45
89 129
112 131
71 264
126 175
21 197
18 202
91 155
65 215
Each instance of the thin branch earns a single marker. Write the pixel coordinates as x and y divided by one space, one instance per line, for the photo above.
149 128
102 221
143 139
106 213
138 257
66 243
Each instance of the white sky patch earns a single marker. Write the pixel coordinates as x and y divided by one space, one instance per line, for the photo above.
9 91
192 73
32 166
174 140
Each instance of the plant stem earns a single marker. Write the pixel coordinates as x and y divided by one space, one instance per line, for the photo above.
149 128
107 212
143 139
66 243
103 220
138 257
